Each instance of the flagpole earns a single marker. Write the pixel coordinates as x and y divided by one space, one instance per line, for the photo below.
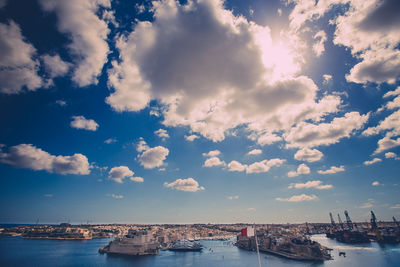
258 252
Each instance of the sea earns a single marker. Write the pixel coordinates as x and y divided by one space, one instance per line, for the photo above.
15 251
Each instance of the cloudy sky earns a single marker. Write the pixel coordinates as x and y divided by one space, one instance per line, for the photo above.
199 111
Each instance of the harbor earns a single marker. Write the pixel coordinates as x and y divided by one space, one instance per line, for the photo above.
15 251
361 233
201 244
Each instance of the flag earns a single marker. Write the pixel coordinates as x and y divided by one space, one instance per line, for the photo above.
248 231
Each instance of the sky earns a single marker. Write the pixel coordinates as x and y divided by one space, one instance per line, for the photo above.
199 111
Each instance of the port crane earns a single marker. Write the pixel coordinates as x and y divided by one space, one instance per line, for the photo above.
340 222
374 226
396 222
332 220
348 220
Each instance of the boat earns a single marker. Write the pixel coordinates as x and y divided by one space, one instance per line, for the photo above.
346 233
351 236
134 243
185 245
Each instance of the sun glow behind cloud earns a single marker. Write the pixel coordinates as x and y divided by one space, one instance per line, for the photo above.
277 57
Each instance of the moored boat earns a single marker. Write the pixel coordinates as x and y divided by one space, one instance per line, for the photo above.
185 245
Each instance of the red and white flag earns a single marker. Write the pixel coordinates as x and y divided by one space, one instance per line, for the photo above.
248 231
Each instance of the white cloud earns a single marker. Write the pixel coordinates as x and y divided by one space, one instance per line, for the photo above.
267 138
48 195
397 206
256 167
235 166
61 103
387 143
115 196
395 92
109 17
140 8
301 169
369 28
191 137
154 112
327 78
366 205
251 81
311 184
309 155
18 66
311 135
391 124
187 185
213 161
142 146
263 166
212 153
306 10
87 32
374 160
151 157
162 133
319 45
395 103
298 198
119 173
110 141
55 66
137 179
390 155
80 122
233 197
31 157
255 152
332 170
376 183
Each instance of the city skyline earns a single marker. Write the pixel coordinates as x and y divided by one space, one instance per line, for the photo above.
199 111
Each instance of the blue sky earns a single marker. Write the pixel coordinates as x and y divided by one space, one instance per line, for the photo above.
199 111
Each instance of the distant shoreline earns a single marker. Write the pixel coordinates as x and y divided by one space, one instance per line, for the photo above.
55 238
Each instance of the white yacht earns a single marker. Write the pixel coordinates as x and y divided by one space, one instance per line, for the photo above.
185 245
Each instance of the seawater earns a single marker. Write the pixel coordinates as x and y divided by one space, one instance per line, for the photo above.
15 251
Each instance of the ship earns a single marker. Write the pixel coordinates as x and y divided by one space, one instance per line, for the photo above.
136 242
293 247
351 236
384 235
346 233
351 233
185 245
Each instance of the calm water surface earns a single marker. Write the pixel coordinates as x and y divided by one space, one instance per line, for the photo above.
16 251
